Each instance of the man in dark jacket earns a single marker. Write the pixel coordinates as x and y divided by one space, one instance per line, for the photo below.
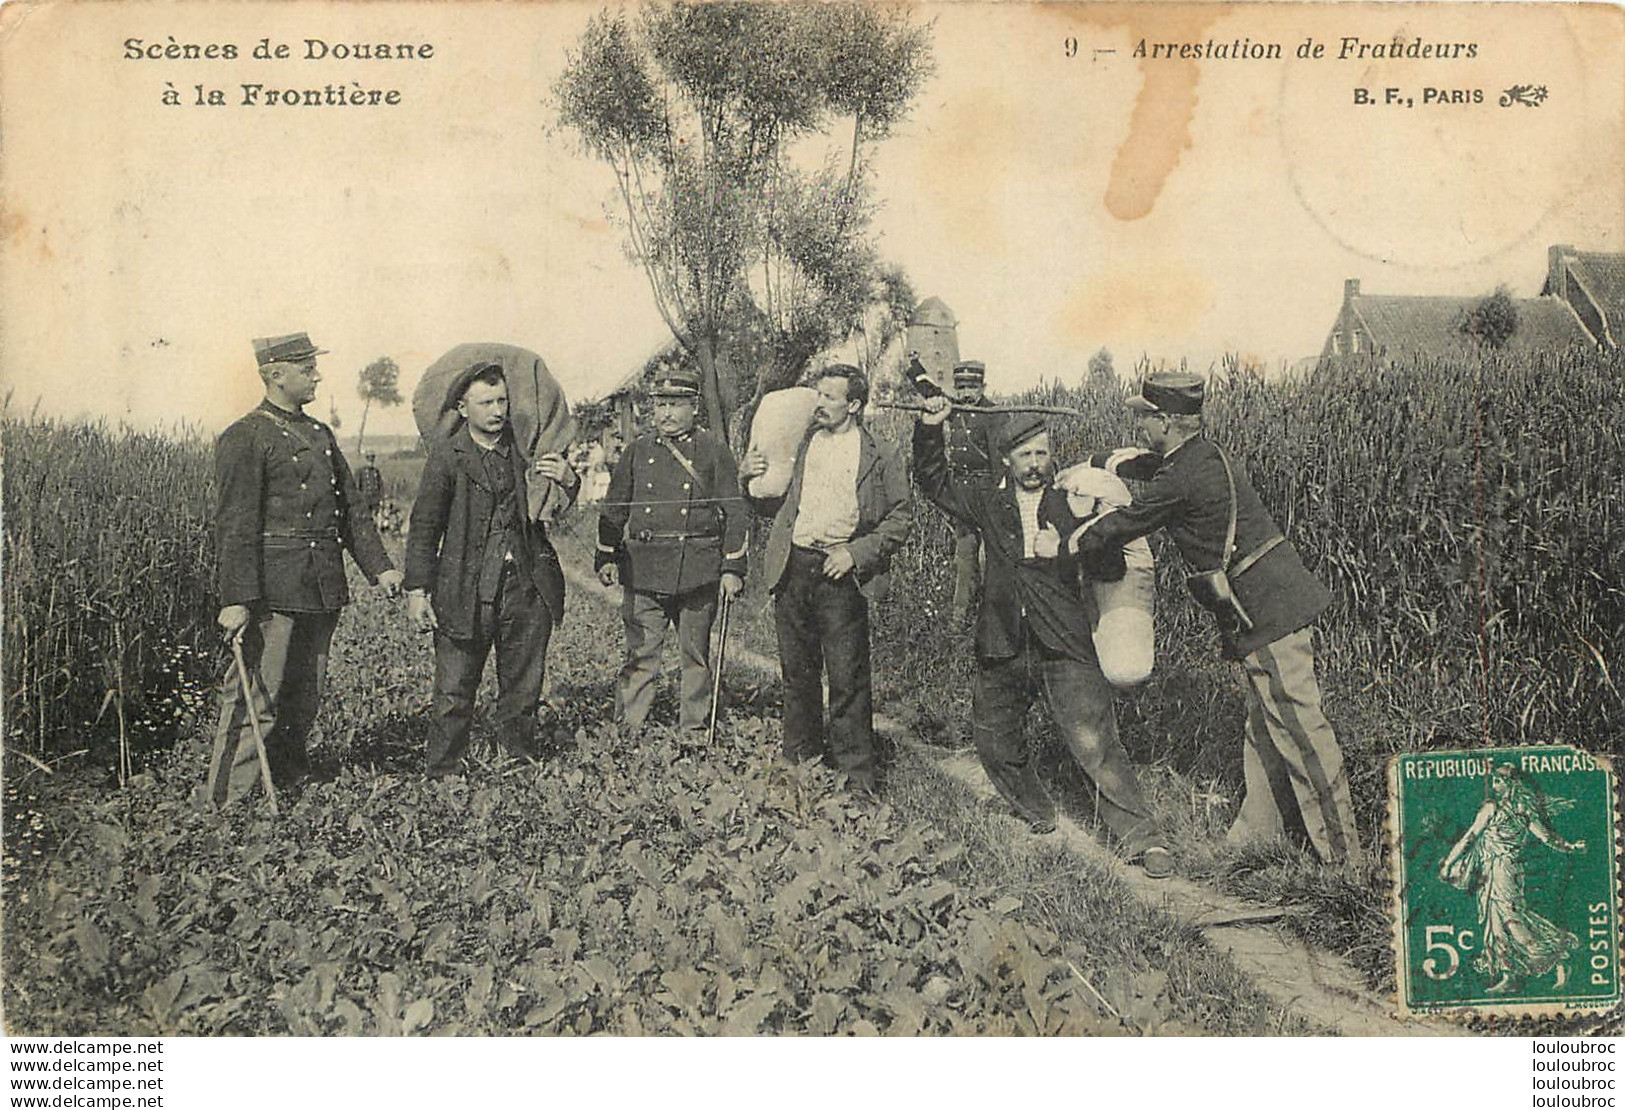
286 511
1033 633
844 515
1292 764
672 533
972 456
480 573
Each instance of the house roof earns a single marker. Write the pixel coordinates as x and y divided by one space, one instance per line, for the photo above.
1433 324
1603 278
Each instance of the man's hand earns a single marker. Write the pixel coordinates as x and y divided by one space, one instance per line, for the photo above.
232 619
390 582
609 574
754 464
419 613
838 562
731 585
1047 544
553 467
936 410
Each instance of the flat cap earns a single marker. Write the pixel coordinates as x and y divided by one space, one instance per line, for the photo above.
1018 428
1176 393
285 348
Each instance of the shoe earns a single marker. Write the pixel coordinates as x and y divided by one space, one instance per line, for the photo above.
1041 826
1157 863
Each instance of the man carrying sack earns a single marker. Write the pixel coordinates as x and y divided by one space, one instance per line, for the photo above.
286 511
672 533
1264 601
1032 633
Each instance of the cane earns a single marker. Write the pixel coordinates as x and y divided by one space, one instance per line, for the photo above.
716 672
253 717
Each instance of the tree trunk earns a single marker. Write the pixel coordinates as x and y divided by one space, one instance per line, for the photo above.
705 347
361 432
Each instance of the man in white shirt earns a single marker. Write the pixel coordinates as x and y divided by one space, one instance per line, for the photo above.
844 515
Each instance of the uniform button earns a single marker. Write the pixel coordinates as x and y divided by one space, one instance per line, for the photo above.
647 509
682 512
328 452
301 485
313 543
651 485
284 435
335 512
651 462
685 485
307 514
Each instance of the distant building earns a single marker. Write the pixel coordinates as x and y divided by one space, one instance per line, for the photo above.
1592 284
1395 325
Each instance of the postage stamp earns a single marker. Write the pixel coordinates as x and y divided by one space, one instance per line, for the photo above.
1506 881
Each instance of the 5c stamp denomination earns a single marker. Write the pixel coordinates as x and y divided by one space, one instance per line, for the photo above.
1505 872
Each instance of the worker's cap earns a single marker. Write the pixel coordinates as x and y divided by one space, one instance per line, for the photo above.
1018 428
1177 393
285 348
675 381
459 385
969 372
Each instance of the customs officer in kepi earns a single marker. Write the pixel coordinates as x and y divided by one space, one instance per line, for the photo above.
1032 632
286 511
672 533
835 530
1264 600
972 455
480 573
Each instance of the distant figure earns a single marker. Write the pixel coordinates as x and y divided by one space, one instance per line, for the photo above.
972 456
287 509
481 574
845 514
672 534
371 484
1488 860
1264 600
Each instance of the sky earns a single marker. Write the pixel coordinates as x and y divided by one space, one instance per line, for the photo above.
1060 198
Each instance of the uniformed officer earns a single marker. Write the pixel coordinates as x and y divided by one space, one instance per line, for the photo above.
286 510
972 454
673 525
1292 763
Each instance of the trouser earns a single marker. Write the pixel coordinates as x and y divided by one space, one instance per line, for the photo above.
518 624
823 627
646 617
967 569
286 658
1080 703
1291 762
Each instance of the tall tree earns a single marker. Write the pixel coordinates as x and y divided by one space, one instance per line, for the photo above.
379 381
701 110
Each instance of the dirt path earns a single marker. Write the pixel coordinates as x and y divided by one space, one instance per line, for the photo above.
1318 986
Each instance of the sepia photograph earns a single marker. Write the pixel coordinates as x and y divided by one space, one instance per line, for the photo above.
812 519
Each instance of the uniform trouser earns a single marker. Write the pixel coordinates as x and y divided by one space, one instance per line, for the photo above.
646 617
823 626
518 624
1291 761
286 657
1080 703
967 569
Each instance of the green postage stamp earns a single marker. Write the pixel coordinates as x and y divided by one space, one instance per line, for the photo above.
1506 881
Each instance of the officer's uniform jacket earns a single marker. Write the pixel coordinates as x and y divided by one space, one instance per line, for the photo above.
971 441
451 521
287 510
672 528
884 515
1187 494
1021 596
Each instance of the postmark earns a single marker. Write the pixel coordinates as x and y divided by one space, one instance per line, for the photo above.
1505 868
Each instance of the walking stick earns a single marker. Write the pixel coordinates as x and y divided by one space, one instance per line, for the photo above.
716 671
915 406
253 717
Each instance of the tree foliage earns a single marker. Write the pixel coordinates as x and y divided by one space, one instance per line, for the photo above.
1101 368
1492 321
706 112
379 381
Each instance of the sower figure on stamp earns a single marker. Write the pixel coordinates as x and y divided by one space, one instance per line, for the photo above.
481 574
1033 633
672 533
1292 764
286 511
844 515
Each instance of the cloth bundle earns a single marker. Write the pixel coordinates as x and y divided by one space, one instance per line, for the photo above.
780 425
1124 637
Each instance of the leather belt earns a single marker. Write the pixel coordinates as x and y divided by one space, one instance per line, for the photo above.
1245 563
647 536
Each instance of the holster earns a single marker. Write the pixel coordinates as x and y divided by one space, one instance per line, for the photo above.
1212 591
